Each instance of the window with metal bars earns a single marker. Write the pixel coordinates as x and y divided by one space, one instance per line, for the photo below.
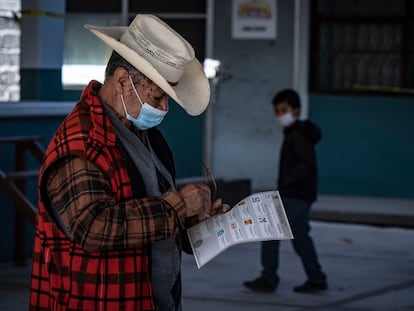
362 46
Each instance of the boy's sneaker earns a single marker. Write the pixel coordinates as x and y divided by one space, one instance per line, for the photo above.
310 287
260 285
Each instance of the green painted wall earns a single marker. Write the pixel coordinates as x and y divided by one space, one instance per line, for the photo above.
44 85
367 147
11 127
185 136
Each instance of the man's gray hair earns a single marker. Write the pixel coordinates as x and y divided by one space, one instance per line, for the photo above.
116 61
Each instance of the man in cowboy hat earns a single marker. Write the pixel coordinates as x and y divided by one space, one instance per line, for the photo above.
109 217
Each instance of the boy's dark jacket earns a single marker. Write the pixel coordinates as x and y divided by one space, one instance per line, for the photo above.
298 176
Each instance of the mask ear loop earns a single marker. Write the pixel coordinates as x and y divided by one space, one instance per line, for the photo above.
135 90
123 105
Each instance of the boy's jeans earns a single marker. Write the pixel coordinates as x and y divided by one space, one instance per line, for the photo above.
297 212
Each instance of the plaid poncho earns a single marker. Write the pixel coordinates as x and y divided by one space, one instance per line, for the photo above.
64 275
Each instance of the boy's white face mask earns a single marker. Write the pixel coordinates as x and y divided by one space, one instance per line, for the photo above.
286 119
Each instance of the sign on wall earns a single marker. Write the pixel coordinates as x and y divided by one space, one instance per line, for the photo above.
254 19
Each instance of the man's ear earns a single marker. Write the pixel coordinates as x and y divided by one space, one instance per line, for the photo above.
121 79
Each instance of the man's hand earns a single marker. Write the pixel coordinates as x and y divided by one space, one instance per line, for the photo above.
216 208
197 198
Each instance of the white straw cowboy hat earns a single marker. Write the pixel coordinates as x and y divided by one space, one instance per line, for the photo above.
164 56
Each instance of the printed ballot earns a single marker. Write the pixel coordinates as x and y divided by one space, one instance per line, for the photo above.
258 217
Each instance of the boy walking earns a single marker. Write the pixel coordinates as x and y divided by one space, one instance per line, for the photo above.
297 184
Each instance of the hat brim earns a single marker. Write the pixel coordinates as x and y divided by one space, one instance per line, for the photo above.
192 92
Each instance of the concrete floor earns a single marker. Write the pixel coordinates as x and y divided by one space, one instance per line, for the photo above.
369 268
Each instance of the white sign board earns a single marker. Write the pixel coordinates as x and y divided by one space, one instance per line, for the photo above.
254 19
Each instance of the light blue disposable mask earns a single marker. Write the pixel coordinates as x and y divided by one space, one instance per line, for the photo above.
148 116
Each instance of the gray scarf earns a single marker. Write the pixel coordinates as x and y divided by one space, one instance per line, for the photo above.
165 254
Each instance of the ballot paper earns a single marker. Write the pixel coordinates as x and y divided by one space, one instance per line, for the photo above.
258 217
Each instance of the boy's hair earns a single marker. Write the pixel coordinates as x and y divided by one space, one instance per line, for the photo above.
289 96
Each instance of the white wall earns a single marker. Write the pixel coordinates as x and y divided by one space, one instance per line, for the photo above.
246 137
9 51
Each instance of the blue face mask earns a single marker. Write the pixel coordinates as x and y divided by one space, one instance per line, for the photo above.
148 116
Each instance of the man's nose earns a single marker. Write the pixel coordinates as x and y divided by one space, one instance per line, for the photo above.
163 103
